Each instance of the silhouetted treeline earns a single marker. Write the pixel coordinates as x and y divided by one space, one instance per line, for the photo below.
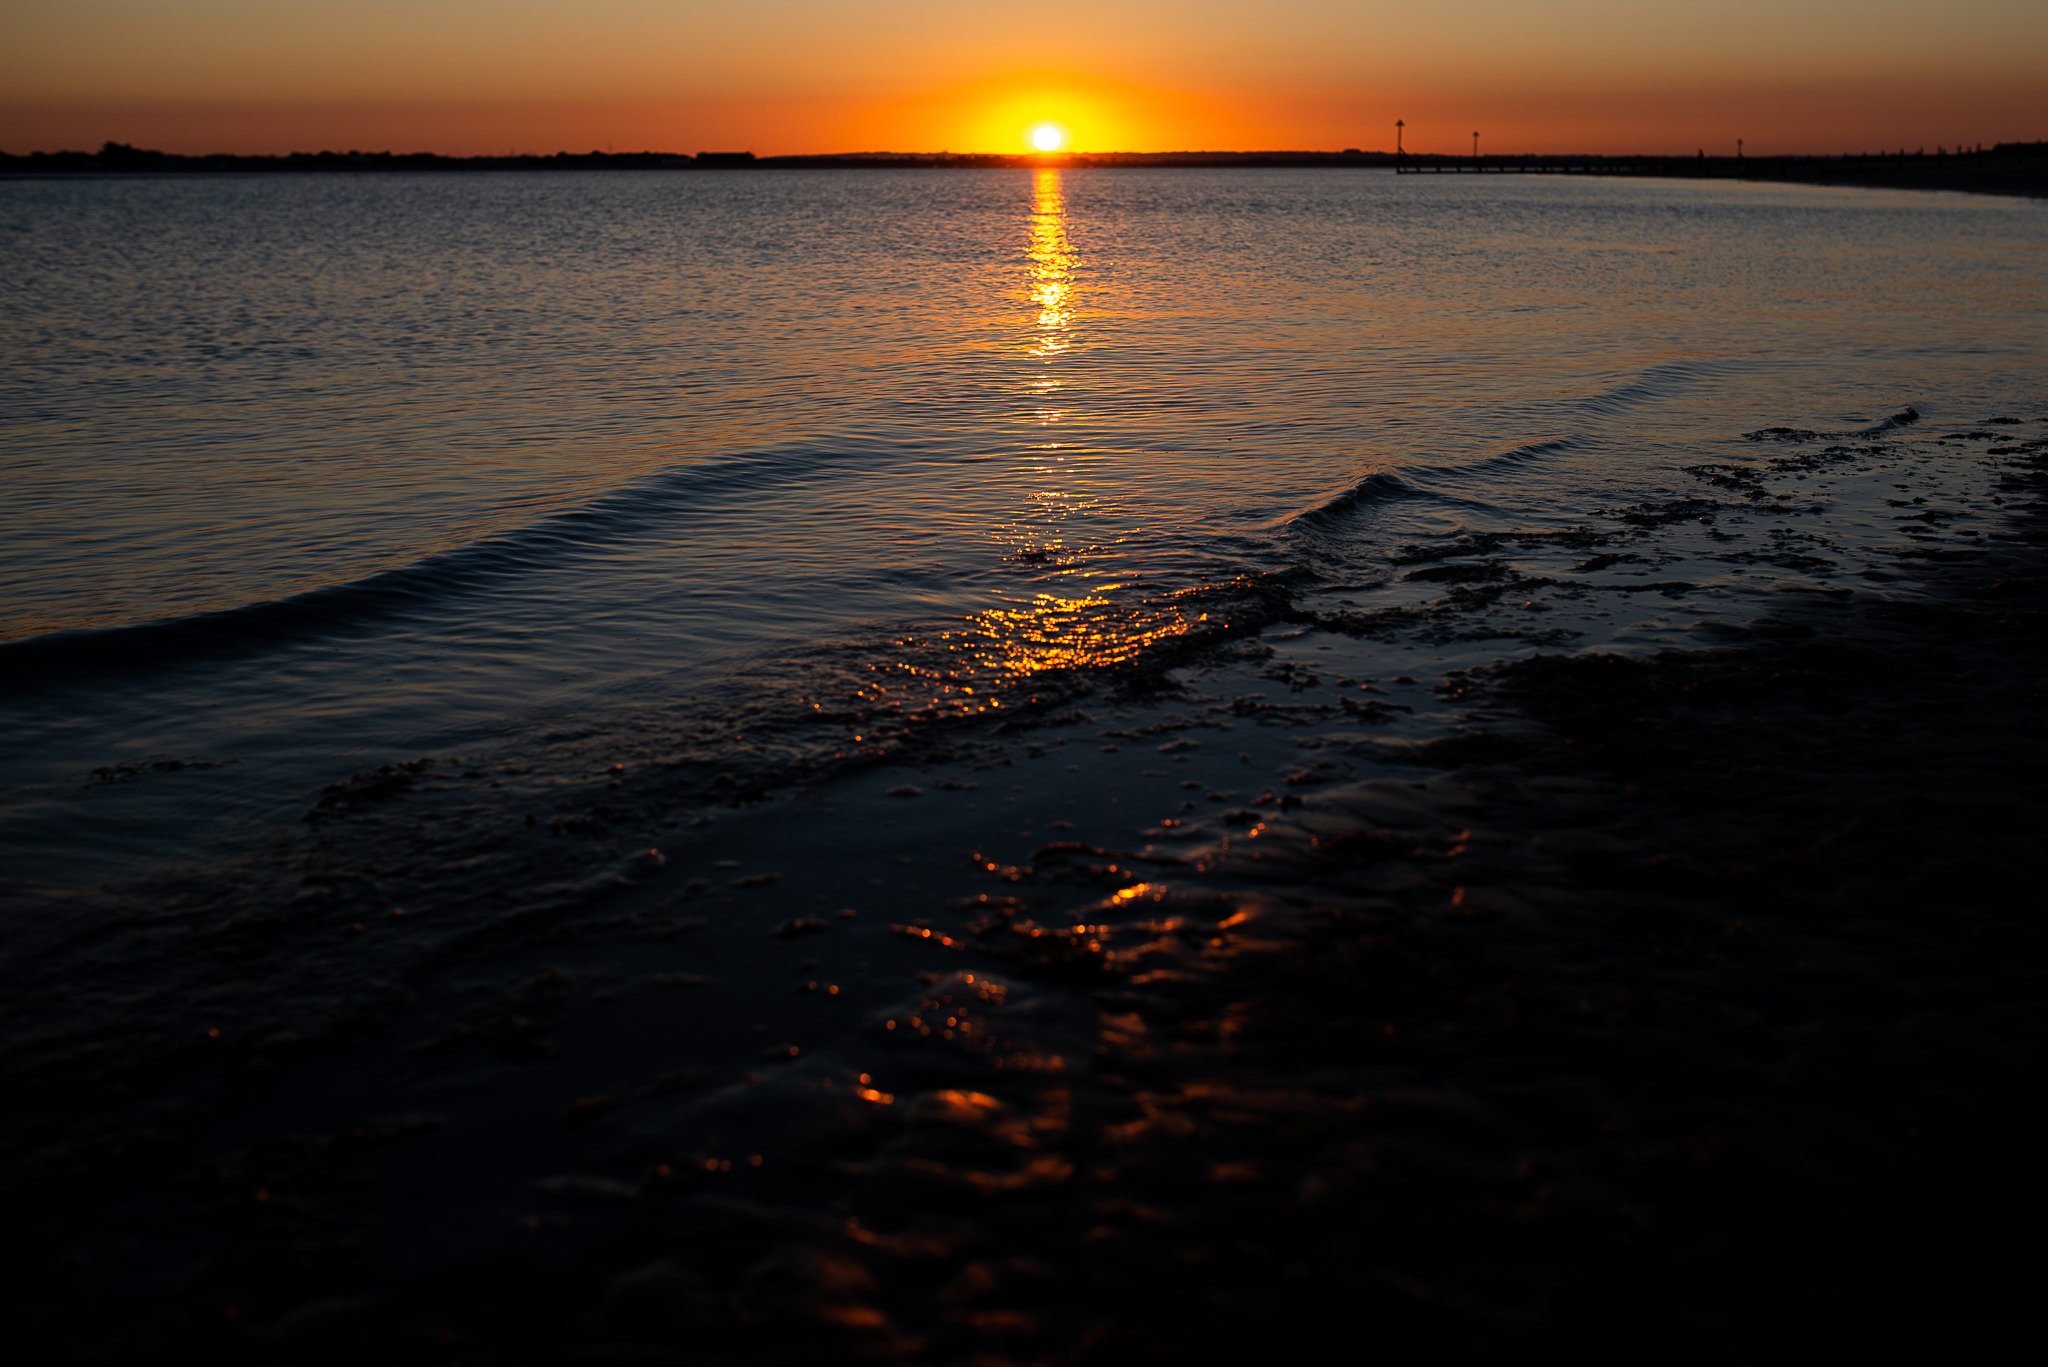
2008 168
120 158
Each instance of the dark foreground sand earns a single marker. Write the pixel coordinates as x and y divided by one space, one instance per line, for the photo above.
1691 1011
1707 1027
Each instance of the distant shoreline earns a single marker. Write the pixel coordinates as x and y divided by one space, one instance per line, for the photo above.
2019 168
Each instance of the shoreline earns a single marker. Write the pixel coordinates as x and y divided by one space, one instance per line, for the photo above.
1686 1014
2008 169
1691 999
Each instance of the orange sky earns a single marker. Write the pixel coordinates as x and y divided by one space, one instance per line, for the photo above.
468 76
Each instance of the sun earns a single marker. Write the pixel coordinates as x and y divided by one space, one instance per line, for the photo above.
1048 137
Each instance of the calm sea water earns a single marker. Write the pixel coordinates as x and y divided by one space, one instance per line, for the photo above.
388 562
307 475
314 474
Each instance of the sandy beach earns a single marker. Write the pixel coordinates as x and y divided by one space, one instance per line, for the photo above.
1686 1005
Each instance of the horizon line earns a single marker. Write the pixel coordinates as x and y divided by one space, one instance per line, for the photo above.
126 151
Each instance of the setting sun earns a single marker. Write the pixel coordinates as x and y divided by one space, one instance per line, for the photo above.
1048 137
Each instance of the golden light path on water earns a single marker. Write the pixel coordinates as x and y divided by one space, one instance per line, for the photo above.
1002 646
1070 633
1052 264
1054 631
1046 632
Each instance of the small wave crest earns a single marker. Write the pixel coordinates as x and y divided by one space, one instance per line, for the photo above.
1379 487
1653 384
1524 454
1383 487
647 504
1905 417
59 656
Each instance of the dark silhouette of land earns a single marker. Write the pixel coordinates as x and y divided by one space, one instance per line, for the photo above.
2009 168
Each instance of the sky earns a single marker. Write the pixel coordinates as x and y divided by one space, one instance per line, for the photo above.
491 76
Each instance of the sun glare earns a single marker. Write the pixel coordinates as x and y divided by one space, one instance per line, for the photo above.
1048 137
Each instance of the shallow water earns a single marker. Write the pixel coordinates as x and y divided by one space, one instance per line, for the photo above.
306 474
430 545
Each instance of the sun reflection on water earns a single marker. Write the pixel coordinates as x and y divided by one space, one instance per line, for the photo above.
1055 632
1082 626
1052 264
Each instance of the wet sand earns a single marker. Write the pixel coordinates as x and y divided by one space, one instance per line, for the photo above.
1687 1006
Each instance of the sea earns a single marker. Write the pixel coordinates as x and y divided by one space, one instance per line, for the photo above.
388 557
